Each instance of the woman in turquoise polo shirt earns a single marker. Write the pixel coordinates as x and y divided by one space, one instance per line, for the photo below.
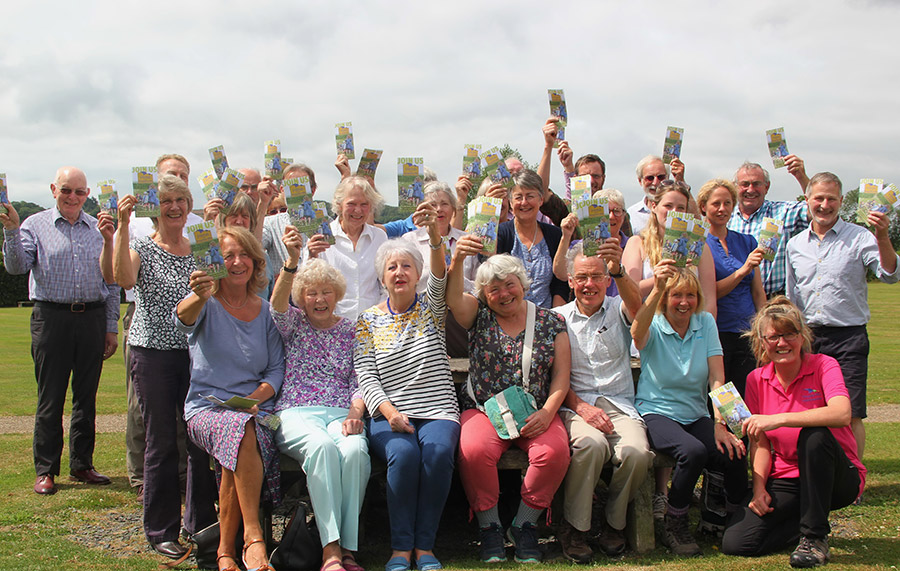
681 360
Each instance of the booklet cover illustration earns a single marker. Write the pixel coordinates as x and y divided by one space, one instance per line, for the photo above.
272 159
219 162
685 236
593 222
109 198
495 168
368 163
143 182
558 109
484 217
205 248
777 146
770 236
672 145
410 184
472 161
731 406
343 138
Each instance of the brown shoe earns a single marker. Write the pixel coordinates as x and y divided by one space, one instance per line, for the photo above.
612 540
89 476
574 544
44 485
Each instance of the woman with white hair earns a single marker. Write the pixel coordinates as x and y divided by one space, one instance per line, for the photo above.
517 352
356 241
404 375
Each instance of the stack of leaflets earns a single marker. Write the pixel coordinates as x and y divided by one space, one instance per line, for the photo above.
472 161
873 195
769 237
4 195
219 162
109 198
229 186
410 184
495 168
580 187
343 138
593 222
205 248
267 419
777 146
273 160
307 216
209 182
143 181
484 217
558 110
684 238
731 406
368 163
672 145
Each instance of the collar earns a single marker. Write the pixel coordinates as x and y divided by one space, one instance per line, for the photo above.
763 209
837 229
57 215
338 231
666 327
767 373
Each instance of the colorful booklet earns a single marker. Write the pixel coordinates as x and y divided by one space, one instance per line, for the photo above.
495 168
684 238
298 198
731 406
285 161
205 248
672 145
4 194
267 419
273 160
229 186
219 162
593 222
558 109
580 186
410 184
143 181
343 138
769 237
472 161
209 182
777 146
368 163
484 217
109 198
873 195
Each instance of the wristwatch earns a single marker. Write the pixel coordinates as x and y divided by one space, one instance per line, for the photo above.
290 270
621 273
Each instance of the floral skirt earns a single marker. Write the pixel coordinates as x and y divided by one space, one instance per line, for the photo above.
219 431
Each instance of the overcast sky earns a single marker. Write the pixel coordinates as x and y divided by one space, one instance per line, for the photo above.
108 85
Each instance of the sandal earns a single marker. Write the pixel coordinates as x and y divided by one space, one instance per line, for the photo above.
232 567
331 565
264 566
348 562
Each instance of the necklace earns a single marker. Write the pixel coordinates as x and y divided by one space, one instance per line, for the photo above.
225 301
415 300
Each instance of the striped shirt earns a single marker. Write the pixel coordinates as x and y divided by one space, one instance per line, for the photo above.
64 261
403 358
795 218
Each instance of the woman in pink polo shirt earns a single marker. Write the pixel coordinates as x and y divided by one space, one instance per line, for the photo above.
802 450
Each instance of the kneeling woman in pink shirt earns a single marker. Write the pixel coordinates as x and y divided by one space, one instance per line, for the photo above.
802 450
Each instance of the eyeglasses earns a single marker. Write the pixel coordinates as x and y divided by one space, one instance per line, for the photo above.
652 177
582 279
616 212
77 191
278 210
788 337
753 183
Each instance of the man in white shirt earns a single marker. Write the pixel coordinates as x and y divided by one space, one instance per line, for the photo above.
650 172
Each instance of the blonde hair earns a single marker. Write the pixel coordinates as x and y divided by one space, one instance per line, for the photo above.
784 317
683 279
254 249
712 185
650 236
242 204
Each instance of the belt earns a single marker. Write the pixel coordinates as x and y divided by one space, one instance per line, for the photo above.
77 307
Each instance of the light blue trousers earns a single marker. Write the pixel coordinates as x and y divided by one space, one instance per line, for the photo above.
337 468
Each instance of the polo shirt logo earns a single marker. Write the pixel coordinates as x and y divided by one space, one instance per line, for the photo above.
810 394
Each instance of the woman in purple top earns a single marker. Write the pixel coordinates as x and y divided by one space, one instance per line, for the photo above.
739 286
320 405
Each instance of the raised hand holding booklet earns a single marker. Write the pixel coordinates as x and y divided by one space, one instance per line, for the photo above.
272 158
484 217
109 198
219 162
368 163
672 145
4 194
410 184
472 161
298 198
143 182
229 186
495 168
558 109
874 195
731 406
580 186
343 138
209 181
205 248
777 146
593 222
769 236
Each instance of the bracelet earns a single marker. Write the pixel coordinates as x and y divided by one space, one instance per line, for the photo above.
435 246
621 273
290 270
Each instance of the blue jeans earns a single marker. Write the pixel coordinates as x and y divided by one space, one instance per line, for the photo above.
419 470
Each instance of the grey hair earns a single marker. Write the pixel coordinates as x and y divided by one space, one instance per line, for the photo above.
348 184
437 186
171 184
499 267
574 252
611 195
306 170
825 178
242 203
430 175
528 179
394 247
317 271
642 164
748 166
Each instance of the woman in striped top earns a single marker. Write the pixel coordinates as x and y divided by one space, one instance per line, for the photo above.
404 375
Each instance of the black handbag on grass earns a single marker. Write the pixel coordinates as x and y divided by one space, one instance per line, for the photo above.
300 548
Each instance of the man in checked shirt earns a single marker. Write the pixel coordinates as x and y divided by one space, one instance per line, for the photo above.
73 325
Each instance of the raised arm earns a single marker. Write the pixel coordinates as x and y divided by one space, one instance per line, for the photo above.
549 130
107 227
640 329
126 262
281 293
463 187
464 306
426 216
797 169
188 309
560 263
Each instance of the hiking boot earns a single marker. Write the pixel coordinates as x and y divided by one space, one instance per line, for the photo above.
493 547
811 552
677 536
712 524
525 540
659 505
574 543
611 541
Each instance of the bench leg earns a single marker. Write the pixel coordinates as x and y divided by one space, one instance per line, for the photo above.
639 529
